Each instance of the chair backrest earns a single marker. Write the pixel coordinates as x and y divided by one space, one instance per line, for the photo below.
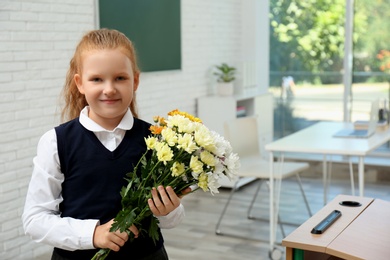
243 135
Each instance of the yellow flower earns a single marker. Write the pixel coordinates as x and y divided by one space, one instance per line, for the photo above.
186 143
185 114
169 136
181 123
203 181
196 165
164 153
150 142
177 169
204 139
207 158
156 129
161 121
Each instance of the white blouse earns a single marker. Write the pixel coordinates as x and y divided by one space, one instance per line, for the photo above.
41 216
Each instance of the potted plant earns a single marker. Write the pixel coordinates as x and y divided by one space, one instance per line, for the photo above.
225 77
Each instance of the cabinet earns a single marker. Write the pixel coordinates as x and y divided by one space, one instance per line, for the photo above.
215 110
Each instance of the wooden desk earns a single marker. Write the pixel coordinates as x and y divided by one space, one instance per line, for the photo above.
318 139
360 233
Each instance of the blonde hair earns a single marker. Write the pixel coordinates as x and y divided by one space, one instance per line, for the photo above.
94 40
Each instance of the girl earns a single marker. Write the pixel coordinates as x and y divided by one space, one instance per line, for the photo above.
80 165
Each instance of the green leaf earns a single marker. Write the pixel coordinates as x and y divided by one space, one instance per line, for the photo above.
123 220
153 229
225 73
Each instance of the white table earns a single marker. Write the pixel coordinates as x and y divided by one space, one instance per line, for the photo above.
318 139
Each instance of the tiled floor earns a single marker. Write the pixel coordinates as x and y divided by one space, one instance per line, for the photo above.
195 238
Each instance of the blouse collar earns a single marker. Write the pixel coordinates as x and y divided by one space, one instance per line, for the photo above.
125 124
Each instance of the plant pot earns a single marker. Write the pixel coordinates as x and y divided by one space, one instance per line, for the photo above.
225 88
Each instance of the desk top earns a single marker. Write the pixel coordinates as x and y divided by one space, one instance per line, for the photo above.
360 233
319 139
367 237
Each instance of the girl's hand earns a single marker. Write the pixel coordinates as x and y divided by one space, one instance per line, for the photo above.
163 201
185 192
103 238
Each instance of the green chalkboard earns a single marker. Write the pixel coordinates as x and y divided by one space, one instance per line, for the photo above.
152 25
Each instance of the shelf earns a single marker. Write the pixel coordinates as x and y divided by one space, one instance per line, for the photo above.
248 94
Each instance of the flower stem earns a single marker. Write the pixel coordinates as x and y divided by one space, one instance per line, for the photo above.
101 254
144 180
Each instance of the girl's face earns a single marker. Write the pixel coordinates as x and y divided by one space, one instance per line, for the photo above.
108 83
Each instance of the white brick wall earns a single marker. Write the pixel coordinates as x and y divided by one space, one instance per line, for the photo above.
37 39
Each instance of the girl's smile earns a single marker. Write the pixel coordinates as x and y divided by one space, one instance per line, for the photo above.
110 101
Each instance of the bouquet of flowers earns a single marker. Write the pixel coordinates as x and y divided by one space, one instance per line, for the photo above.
181 152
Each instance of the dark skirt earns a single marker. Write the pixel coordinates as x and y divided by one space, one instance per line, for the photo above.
160 254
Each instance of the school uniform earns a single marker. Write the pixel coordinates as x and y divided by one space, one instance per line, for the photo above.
78 173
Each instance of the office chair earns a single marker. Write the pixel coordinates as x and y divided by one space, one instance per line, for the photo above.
242 134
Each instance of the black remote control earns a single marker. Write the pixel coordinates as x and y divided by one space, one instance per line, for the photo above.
326 222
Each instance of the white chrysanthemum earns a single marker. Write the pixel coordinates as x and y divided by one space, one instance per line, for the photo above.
219 166
232 162
213 183
208 158
186 143
195 175
169 136
222 146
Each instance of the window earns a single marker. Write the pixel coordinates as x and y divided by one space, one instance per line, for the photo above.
324 68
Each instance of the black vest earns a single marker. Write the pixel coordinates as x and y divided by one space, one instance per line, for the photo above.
94 177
